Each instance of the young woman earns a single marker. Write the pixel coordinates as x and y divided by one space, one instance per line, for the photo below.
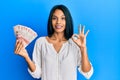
58 55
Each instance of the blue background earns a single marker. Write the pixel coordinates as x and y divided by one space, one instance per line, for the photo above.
102 17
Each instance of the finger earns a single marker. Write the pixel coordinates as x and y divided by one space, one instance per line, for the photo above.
23 43
18 41
75 37
87 33
83 27
79 29
18 46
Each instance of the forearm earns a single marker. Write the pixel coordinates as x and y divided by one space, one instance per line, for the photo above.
86 66
31 65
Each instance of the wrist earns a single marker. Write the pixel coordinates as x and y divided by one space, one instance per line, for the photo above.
83 47
83 50
26 57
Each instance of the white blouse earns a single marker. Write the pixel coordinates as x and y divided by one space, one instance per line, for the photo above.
51 65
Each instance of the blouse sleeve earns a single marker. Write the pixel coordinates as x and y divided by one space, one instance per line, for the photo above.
36 60
88 74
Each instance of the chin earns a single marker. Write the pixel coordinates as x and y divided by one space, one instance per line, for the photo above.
59 31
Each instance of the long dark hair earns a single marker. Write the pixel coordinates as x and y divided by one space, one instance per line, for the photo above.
69 22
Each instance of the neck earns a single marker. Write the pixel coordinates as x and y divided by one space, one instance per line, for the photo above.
58 36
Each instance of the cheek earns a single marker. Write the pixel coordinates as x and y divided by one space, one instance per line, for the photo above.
64 23
53 22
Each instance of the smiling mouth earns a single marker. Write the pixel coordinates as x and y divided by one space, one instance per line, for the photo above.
58 27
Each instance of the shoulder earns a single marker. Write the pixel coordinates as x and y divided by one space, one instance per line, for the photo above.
72 43
40 40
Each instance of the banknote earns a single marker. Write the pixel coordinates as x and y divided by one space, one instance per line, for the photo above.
25 33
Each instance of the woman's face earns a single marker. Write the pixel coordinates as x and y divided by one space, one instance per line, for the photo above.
58 21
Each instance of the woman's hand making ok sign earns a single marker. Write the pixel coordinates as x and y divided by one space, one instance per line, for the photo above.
80 39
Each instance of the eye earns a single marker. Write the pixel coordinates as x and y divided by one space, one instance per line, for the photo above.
63 18
54 18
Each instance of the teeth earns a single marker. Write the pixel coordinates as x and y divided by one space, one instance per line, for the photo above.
58 27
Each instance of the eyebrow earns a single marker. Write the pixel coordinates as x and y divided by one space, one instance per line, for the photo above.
56 16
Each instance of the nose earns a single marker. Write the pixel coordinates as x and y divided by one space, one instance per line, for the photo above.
58 21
